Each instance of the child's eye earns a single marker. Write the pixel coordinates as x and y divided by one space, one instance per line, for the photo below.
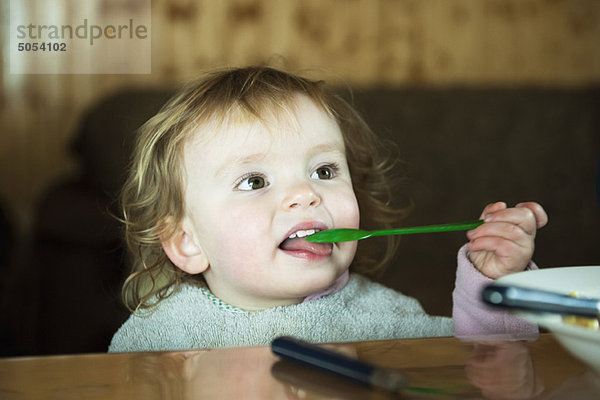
325 172
252 182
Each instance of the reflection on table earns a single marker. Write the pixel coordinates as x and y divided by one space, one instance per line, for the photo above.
439 368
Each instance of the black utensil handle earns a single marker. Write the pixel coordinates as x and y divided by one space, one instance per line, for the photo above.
539 300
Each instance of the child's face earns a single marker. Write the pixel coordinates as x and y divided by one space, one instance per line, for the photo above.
249 188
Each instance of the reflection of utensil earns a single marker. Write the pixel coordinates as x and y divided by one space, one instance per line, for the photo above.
333 362
315 382
539 300
347 235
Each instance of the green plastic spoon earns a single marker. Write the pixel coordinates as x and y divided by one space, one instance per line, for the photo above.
347 235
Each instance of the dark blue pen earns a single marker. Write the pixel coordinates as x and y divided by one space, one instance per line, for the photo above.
314 356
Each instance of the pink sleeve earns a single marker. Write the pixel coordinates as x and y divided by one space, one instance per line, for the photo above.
473 319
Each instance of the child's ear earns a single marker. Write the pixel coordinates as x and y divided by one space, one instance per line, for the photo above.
185 253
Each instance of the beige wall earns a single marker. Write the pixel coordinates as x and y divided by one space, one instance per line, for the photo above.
362 42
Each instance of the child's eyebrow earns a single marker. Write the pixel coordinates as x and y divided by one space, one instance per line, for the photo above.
329 147
240 161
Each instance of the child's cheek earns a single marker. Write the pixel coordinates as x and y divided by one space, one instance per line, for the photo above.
348 212
243 230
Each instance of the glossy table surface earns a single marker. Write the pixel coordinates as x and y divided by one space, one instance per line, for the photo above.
438 368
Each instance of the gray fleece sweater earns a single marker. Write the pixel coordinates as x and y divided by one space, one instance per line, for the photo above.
362 310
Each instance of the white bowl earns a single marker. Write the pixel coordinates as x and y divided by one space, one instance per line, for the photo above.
583 342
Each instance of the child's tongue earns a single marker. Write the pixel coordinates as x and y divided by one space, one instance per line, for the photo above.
299 244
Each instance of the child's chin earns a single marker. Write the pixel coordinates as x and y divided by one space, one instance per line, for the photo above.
319 282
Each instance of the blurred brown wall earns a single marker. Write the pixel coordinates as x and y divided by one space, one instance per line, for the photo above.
421 43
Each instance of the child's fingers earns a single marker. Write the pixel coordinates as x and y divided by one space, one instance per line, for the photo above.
492 208
499 246
541 218
522 217
503 230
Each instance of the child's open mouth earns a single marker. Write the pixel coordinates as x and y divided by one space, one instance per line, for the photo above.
296 244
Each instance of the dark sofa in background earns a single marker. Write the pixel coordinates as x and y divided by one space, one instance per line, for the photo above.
461 149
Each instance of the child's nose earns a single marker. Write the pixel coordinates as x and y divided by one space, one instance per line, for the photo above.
300 197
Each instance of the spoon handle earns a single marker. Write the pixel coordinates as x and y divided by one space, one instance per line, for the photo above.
455 226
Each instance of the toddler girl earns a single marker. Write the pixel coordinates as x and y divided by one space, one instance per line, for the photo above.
226 182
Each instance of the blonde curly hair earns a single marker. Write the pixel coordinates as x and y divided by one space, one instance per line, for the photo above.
152 198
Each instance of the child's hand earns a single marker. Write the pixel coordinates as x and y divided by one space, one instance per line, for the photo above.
503 370
504 243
